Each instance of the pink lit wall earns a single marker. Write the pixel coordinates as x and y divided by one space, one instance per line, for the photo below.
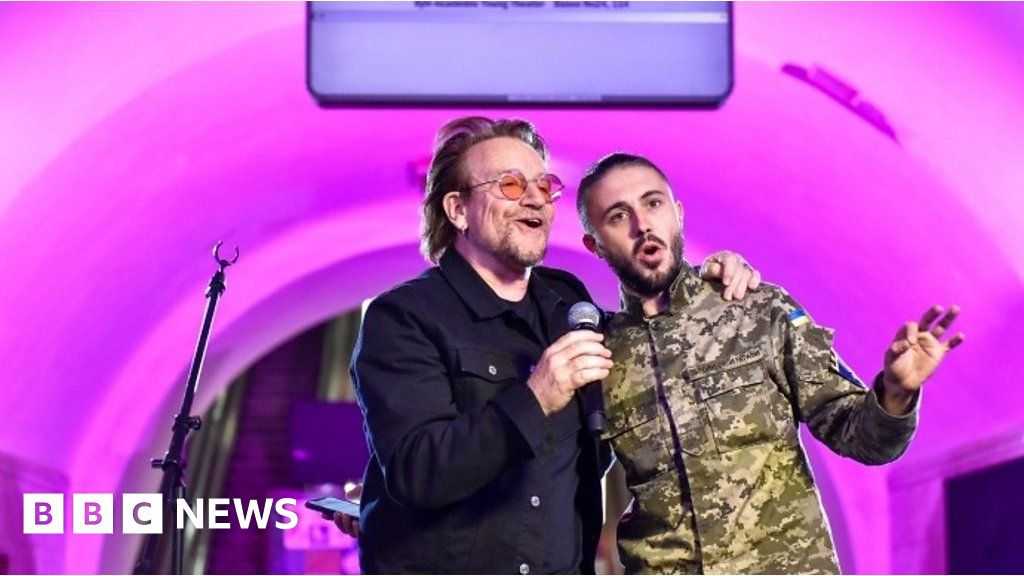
133 136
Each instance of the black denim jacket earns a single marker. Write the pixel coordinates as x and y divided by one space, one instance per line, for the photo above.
466 474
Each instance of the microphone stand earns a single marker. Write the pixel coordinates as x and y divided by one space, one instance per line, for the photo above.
172 486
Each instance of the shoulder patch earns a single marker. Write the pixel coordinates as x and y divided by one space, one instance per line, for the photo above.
798 318
846 373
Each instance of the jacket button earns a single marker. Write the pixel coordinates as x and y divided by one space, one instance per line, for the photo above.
535 501
492 370
524 568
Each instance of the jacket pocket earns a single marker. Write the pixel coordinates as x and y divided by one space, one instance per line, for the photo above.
658 503
640 436
738 400
480 374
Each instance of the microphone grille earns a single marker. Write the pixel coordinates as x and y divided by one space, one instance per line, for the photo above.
584 315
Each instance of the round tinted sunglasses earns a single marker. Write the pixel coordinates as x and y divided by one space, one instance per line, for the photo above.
512 185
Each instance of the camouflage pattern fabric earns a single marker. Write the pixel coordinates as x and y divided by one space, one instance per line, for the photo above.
703 406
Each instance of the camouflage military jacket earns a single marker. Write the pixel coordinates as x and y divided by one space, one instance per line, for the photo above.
703 406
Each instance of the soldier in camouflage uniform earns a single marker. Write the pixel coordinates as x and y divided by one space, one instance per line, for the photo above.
706 394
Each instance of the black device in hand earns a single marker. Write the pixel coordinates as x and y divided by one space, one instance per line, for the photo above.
586 316
330 505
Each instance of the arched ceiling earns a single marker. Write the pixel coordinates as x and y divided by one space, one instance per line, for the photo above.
135 136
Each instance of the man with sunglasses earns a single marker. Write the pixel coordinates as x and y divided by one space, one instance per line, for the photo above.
467 375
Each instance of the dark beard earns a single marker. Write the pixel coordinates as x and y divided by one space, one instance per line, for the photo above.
648 286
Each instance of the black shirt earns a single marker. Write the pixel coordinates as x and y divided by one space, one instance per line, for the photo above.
555 522
466 473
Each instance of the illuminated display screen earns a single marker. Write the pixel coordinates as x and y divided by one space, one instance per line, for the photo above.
522 53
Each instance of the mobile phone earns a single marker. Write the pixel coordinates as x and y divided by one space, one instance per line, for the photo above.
331 505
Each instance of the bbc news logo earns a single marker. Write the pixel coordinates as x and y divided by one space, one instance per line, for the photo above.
144 513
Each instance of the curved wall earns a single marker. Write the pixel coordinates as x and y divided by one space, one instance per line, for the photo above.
127 154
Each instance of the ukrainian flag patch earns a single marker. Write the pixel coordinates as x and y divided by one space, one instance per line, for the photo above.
798 318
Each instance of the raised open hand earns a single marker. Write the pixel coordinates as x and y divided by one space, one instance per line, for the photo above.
917 350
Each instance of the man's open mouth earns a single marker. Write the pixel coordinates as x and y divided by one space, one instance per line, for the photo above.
650 253
532 222
650 249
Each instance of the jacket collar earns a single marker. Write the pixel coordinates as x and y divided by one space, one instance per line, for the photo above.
481 298
682 291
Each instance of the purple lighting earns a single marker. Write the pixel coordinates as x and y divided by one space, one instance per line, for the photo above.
136 135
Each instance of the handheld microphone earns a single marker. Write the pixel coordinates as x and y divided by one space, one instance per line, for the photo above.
586 316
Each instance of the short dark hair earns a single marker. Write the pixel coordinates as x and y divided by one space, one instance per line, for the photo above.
446 172
598 170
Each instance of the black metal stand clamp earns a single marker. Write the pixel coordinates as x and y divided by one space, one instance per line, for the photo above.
172 487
